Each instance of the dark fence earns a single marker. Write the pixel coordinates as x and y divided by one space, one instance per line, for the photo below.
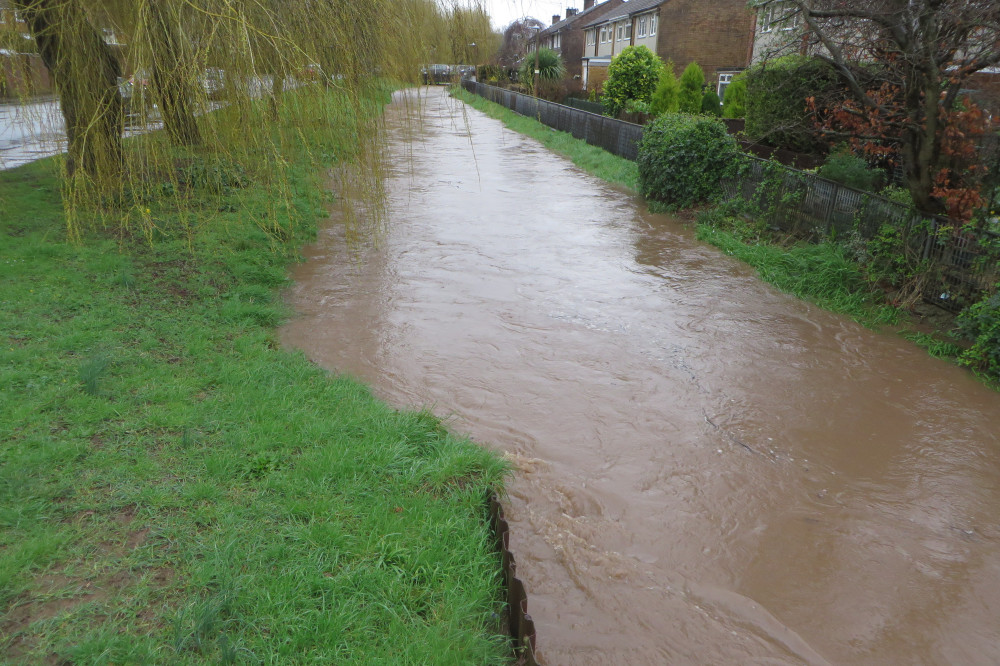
962 267
585 105
615 136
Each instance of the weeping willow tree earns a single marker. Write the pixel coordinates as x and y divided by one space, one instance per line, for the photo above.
231 84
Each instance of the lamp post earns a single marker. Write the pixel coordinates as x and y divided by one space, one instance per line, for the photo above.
537 30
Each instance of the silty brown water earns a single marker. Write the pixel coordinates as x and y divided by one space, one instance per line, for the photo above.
708 471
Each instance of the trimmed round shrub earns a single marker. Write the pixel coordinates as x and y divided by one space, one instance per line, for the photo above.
632 74
711 104
683 159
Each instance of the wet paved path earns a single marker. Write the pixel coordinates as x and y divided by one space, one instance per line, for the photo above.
708 471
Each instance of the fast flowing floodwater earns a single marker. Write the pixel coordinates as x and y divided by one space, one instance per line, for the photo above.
708 471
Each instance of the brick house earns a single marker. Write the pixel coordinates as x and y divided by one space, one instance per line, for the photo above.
717 34
780 31
566 37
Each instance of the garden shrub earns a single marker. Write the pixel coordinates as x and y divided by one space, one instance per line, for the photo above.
665 97
683 158
550 67
692 83
844 167
981 323
776 93
710 104
734 101
636 106
632 74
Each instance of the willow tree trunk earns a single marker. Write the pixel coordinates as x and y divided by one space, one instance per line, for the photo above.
86 72
174 76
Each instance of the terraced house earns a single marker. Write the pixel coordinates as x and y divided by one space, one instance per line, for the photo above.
717 34
566 37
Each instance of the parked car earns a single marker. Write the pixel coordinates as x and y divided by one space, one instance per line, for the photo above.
436 74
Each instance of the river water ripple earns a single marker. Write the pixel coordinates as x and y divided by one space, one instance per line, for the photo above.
708 471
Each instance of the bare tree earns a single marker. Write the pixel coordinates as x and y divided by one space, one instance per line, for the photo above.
517 38
904 65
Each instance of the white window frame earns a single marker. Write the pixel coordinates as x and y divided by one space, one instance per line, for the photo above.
604 34
640 30
654 20
726 79
628 31
592 37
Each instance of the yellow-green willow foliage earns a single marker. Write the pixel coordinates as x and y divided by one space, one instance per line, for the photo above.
232 83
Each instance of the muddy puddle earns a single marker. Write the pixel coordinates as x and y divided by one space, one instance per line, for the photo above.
708 471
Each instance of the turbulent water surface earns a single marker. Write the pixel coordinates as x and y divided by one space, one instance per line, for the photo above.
707 471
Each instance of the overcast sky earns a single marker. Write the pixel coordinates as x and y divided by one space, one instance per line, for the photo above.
505 11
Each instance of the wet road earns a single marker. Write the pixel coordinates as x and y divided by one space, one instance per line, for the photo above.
708 471
29 132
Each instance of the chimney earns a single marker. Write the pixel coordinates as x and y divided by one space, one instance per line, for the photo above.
570 11
555 19
587 4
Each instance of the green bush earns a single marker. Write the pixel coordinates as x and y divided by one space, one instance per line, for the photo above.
981 323
844 167
632 74
665 97
711 104
734 102
550 67
683 158
776 101
692 82
636 106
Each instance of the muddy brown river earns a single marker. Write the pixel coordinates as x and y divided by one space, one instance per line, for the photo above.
708 471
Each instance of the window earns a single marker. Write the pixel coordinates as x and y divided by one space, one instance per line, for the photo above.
628 31
590 37
556 40
782 15
653 20
621 29
724 81
641 27
604 34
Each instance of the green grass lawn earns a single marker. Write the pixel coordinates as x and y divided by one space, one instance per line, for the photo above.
176 488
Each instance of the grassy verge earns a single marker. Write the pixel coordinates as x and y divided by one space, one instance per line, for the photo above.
819 273
176 488
593 160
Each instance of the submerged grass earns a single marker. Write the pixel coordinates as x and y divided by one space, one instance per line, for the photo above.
593 160
819 273
176 488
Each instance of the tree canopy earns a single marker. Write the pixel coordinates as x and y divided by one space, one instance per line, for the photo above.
903 65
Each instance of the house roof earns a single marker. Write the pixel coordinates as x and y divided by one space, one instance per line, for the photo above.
628 9
565 23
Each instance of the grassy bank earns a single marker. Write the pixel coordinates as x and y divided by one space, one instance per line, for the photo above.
175 488
593 160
